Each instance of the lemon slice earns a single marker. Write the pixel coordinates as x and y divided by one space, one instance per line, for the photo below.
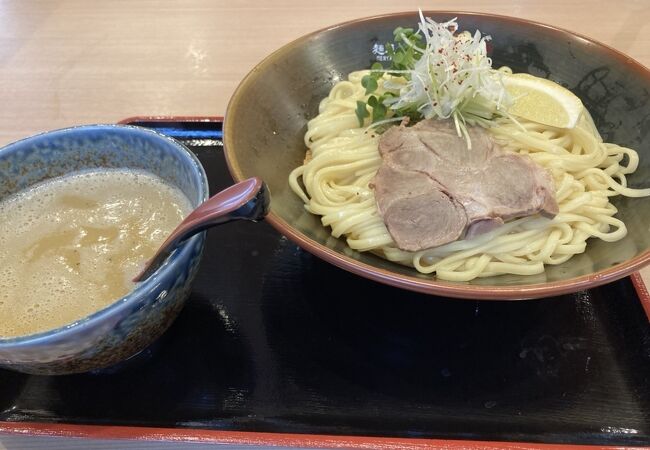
542 101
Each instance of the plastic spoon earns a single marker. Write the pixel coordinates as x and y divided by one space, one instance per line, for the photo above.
247 200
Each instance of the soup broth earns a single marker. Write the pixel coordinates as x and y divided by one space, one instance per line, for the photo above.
70 246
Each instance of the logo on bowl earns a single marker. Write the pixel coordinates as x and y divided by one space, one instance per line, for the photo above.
380 51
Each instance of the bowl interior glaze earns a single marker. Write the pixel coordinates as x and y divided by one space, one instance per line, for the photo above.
267 116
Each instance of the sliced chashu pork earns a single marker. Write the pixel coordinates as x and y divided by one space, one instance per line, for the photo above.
420 213
431 189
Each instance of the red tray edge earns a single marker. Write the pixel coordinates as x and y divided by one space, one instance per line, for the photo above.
132 119
641 292
245 438
278 439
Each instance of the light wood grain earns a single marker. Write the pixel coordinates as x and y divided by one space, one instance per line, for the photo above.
68 62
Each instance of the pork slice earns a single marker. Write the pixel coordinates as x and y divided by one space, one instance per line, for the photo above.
434 146
490 186
478 226
414 156
392 139
441 138
513 186
546 188
416 210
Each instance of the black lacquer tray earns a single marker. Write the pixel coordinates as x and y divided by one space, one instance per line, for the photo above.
273 340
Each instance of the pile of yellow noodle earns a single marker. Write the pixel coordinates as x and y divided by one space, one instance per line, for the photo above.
343 158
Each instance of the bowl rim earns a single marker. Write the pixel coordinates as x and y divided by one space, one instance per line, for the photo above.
432 286
133 297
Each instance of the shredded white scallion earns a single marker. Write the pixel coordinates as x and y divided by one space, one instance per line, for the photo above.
453 78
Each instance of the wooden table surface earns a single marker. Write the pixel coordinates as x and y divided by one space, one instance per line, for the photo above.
69 62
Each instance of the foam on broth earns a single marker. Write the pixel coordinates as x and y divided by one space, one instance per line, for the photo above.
71 245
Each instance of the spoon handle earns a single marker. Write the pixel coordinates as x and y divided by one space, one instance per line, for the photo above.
246 200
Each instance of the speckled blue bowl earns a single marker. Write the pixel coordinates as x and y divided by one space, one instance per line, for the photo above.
127 326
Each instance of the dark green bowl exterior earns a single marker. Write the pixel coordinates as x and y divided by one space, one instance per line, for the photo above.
267 117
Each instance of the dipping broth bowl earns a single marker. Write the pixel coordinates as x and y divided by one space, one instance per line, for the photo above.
130 324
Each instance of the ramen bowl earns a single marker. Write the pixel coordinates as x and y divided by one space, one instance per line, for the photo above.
267 117
130 324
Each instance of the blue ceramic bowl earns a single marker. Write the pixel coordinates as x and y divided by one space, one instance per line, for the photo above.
127 326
